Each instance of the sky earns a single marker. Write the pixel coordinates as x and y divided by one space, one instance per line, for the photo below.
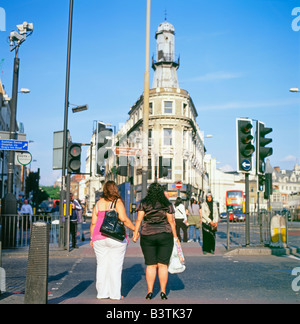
239 58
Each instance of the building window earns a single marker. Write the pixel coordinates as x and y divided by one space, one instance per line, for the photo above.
168 107
150 108
184 109
167 163
149 169
168 136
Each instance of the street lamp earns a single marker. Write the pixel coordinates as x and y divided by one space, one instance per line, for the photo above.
10 201
146 104
294 90
16 39
24 90
80 108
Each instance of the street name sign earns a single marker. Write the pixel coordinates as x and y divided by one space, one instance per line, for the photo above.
13 145
128 151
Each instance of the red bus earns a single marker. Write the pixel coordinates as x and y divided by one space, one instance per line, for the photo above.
235 205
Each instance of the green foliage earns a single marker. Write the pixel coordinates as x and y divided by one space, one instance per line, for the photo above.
52 192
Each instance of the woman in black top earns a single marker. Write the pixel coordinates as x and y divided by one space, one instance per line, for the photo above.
157 235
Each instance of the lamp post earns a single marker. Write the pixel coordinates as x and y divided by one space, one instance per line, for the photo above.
10 201
62 230
146 105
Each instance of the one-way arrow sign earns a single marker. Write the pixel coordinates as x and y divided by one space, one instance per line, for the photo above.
246 165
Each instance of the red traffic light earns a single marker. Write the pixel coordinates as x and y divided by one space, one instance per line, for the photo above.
75 150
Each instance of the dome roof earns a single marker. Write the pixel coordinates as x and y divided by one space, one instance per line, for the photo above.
165 26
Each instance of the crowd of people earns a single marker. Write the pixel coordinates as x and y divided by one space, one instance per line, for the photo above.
195 216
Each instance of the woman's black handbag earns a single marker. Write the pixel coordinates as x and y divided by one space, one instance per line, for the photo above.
112 226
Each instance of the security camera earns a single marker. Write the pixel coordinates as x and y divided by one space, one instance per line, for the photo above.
16 37
25 27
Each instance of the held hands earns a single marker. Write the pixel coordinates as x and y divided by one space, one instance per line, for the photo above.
135 237
213 224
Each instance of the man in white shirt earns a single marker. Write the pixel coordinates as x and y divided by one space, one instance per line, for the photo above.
26 212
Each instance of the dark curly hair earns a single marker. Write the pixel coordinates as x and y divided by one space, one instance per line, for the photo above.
156 193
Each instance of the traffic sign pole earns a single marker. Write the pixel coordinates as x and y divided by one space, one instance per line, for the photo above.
247 227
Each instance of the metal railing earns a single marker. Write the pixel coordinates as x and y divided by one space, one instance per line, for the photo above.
16 229
260 230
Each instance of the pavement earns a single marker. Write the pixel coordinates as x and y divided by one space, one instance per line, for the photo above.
71 278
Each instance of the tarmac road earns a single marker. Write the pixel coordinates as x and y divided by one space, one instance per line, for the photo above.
218 279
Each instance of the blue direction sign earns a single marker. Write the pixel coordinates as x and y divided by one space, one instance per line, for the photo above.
246 165
13 145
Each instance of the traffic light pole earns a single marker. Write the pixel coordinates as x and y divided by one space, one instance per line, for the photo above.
65 133
247 227
146 105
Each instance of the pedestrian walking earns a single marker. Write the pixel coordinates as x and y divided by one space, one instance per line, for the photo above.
76 207
157 236
209 226
181 219
80 221
194 220
109 252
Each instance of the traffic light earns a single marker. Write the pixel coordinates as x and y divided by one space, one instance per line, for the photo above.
103 145
261 182
163 169
122 171
262 151
268 186
74 158
245 147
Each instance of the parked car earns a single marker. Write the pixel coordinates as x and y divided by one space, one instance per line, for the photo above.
240 217
223 216
89 213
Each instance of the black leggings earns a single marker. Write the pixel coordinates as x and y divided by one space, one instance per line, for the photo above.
157 248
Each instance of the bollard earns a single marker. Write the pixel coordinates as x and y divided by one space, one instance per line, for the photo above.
278 232
36 291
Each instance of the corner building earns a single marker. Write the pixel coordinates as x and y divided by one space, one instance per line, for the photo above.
175 139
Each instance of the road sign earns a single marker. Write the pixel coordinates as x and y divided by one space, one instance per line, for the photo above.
178 185
128 151
13 145
246 165
23 158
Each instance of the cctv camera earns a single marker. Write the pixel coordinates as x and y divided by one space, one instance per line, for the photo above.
16 37
25 27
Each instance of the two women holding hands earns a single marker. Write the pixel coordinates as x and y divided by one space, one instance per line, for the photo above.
157 240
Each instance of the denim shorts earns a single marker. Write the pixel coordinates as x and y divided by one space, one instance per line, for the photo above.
157 248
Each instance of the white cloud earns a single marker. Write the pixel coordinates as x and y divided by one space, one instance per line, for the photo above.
214 76
227 168
249 104
289 158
